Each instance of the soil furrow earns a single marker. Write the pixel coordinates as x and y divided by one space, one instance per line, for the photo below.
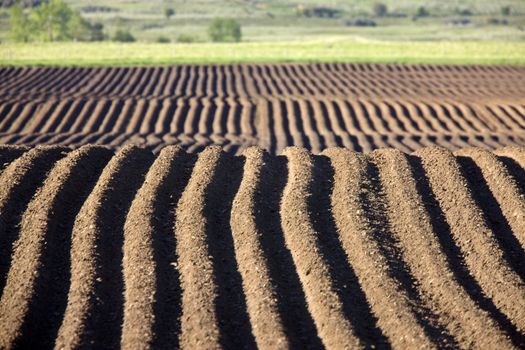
261 298
470 326
95 302
452 250
294 251
482 253
514 160
18 182
498 195
10 153
301 238
201 322
230 304
35 294
367 243
495 100
150 265
291 301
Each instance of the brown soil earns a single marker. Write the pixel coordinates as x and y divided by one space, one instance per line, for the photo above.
359 107
96 254
343 249
36 289
168 229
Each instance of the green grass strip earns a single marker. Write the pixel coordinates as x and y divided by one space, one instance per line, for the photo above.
119 54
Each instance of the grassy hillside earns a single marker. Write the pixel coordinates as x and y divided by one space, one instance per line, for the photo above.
277 20
250 8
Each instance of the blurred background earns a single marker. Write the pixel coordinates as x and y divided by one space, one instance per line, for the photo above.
478 22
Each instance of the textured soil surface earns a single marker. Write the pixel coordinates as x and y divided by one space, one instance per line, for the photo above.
132 249
359 107
162 207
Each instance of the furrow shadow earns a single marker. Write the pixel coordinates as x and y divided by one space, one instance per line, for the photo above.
398 268
355 305
485 200
167 307
454 255
232 313
291 300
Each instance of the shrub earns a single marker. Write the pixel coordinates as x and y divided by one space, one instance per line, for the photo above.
380 9
459 22
83 30
169 12
496 21
319 11
94 9
186 38
224 30
163 40
123 36
422 12
505 10
97 32
360 22
464 12
152 25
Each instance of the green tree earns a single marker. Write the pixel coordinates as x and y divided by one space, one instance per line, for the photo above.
380 9
79 28
20 24
505 10
168 12
225 30
51 20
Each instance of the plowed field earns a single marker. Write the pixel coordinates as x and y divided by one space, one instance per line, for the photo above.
209 250
251 243
360 107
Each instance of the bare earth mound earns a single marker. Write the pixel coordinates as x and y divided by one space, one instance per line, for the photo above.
209 250
359 107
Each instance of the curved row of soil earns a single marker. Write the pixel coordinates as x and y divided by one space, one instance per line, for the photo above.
210 250
272 123
234 144
252 81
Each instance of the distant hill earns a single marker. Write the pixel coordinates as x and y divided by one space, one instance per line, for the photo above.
255 8
290 20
